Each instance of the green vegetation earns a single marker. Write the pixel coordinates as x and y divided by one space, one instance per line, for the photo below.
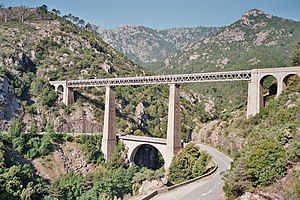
91 145
272 147
17 181
106 182
235 48
189 163
296 56
114 179
69 51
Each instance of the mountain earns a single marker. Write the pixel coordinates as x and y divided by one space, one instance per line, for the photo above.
256 40
38 46
148 46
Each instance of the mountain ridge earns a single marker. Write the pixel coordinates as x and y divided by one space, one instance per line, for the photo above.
250 42
147 46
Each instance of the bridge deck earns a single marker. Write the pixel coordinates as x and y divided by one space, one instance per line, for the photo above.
143 139
164 79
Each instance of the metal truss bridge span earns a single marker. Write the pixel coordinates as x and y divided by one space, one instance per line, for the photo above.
164 79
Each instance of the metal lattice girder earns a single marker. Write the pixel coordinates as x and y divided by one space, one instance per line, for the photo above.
164 79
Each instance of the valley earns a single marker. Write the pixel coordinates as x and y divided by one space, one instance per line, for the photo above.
39 46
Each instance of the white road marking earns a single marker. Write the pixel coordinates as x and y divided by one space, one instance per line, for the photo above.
204 183
212 189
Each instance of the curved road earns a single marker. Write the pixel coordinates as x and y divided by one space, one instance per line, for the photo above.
209 188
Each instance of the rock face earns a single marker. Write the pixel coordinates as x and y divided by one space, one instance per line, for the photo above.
8 103
147 46
151 185
256 36
66 158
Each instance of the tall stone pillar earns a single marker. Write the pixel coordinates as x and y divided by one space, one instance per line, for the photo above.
109 124
280 86
68 95
173 130
255 98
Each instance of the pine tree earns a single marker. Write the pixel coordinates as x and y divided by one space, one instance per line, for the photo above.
296 56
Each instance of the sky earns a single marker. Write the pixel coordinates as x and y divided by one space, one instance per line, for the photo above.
161 14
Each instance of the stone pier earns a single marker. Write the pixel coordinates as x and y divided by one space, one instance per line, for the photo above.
109 123
170 146
173 129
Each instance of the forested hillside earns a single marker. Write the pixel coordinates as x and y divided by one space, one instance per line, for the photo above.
266 147
38 46
257 40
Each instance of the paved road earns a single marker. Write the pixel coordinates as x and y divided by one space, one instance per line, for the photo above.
209 188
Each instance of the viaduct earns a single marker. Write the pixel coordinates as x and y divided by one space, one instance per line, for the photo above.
172 144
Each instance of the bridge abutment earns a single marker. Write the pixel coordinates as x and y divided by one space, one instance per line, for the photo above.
255 86
109 124
67 92
173 129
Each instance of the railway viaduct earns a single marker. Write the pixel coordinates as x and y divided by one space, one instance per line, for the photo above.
172 144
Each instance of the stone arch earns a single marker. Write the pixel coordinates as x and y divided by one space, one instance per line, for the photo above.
286 78
267 90
133 152
60 89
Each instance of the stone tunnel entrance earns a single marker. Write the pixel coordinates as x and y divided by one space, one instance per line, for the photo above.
148 156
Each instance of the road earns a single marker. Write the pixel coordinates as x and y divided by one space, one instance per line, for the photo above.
209 188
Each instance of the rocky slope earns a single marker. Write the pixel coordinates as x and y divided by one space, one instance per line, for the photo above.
256 40
38 46
148 46
266 148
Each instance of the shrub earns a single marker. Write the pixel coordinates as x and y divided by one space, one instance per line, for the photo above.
266 162
187 164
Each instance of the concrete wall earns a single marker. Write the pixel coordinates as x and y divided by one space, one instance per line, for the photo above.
133 146
68 93
255 95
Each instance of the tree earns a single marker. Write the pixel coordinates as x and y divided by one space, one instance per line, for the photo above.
16 127
69 16
237 180
76 20
81 22
43 8
200 165
266 162
88 26
181 168
56 12
296 56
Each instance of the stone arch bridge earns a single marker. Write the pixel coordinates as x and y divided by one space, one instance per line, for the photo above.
170 146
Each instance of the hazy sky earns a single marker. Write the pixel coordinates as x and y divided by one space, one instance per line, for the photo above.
164 13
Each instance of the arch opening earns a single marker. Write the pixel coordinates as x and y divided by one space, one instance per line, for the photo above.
289 80
268 89
60 89
146 155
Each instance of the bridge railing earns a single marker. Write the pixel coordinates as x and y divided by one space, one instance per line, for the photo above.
164 79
